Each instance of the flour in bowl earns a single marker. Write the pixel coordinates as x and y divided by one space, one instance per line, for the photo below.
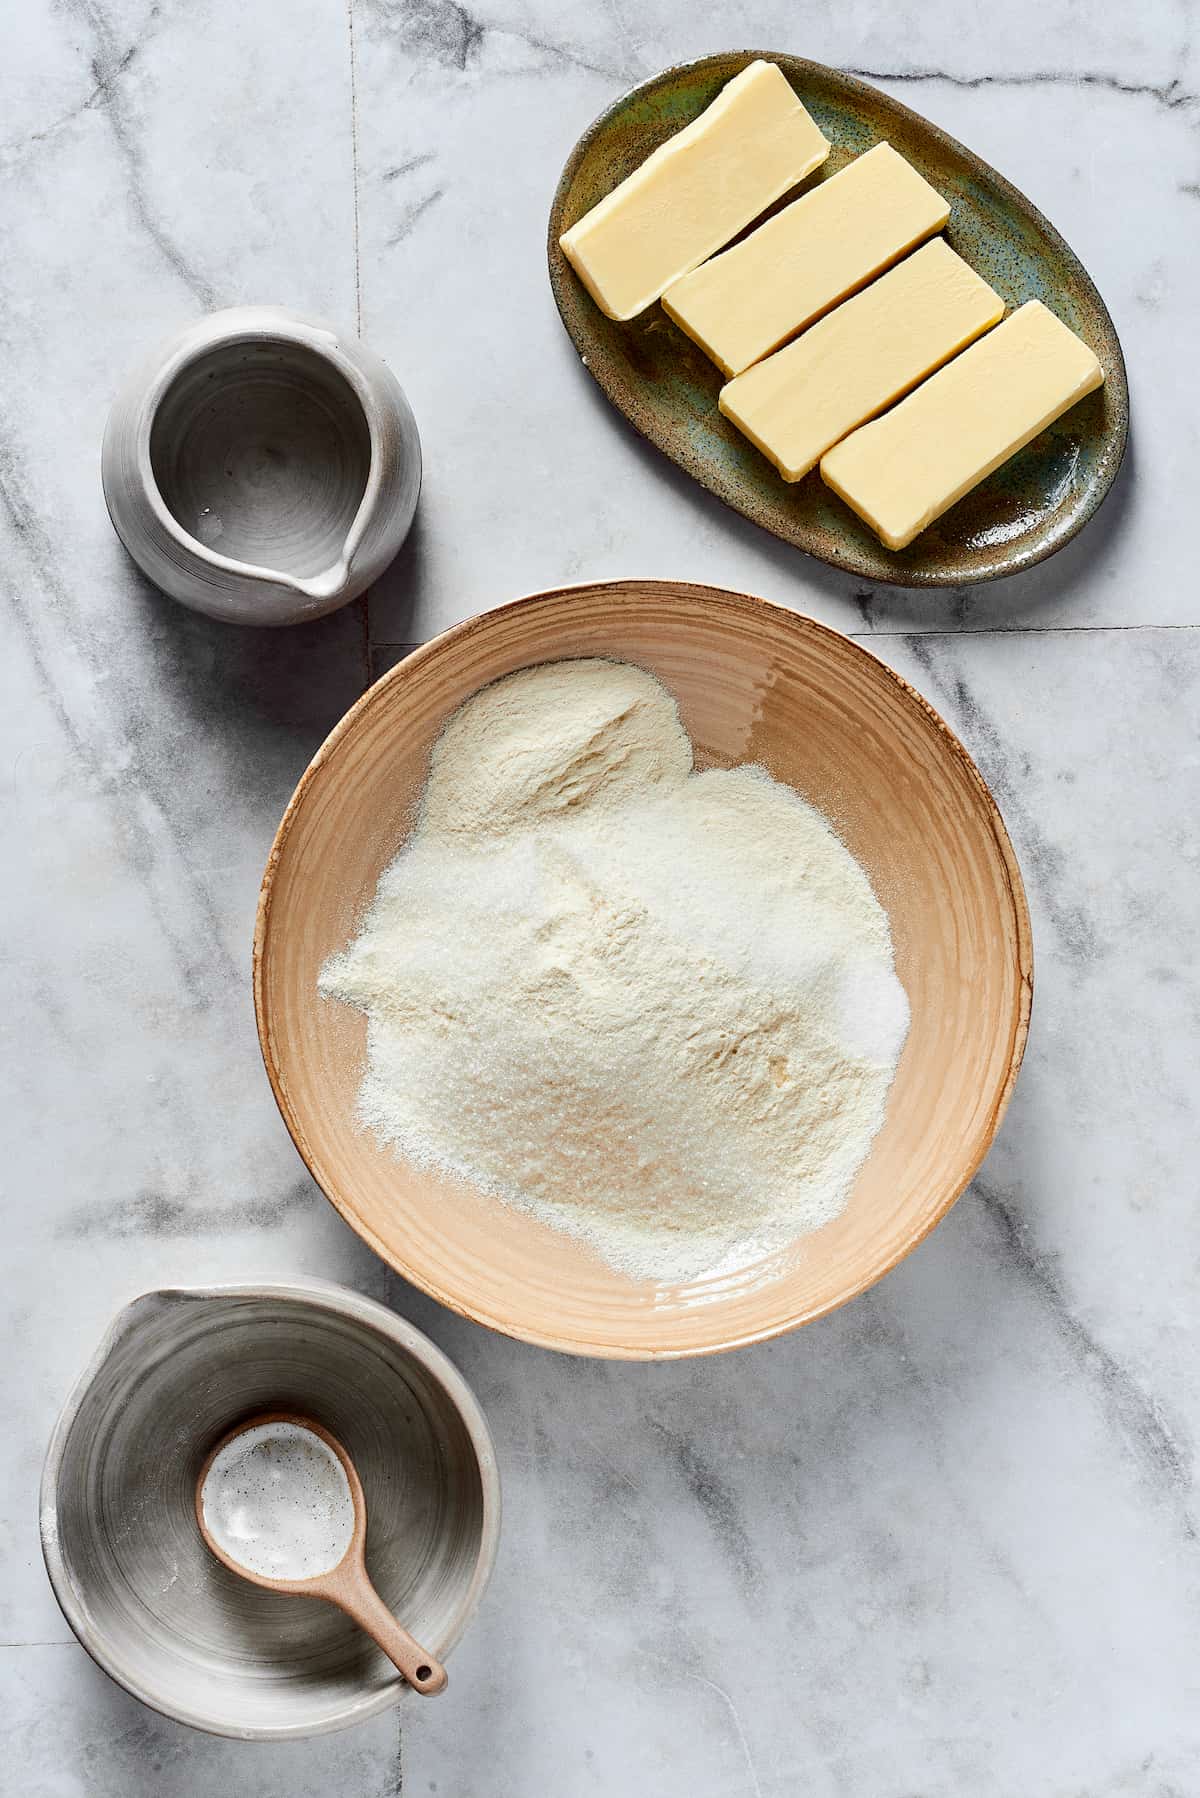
656 1008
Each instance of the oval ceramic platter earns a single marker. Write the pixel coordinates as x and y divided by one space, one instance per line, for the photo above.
667 387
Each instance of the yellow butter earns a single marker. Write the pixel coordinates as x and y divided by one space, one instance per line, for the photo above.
860 358
696 192
907 468
745 303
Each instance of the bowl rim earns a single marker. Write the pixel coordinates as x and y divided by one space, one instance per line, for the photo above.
319 1295
667 592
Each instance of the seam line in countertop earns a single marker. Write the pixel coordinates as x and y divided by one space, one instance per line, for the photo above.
362 604
1017 630
983 630
354 169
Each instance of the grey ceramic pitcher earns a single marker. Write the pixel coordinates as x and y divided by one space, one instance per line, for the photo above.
261 467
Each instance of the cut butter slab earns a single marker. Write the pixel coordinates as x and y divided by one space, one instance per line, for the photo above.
860 358
696 192
907 468
745 303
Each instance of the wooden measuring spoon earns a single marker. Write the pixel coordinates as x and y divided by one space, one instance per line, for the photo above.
348 1584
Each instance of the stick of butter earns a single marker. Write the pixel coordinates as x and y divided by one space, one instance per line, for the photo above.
695 192
744 304
907 468
860 358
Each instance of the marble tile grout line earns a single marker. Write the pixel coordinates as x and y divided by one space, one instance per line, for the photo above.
363 604
1020 630
994 630
358 314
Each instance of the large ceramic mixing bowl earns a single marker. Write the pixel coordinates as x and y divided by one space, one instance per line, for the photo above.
755 683
135 1581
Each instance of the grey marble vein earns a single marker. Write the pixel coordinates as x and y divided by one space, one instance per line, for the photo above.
718 1502
108 63
156 1214
410 215
16 149
1044 862
407 166
138 832
1170 94
1137 1415
448 33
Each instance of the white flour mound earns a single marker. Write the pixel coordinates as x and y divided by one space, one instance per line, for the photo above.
656 1008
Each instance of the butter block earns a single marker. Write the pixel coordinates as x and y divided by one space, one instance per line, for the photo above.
907 468
860 358
745 303
695 192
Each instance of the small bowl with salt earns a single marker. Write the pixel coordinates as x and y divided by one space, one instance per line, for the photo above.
178 1370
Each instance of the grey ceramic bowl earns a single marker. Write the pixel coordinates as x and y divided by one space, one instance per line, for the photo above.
261 466
145 1597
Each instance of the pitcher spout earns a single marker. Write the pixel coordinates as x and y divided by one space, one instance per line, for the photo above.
325 586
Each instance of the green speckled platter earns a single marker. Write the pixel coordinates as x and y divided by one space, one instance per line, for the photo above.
668 389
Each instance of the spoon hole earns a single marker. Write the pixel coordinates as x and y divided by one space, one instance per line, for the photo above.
424 1673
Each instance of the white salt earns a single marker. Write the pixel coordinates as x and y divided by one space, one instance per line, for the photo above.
277 1501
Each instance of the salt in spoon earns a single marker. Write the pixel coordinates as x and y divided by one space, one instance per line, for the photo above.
347 1583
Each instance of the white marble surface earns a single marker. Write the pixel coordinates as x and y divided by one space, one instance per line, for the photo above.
946 1542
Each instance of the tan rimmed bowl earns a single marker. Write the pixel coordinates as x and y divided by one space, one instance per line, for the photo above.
755 683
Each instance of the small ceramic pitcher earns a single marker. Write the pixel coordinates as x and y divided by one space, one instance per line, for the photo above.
261 467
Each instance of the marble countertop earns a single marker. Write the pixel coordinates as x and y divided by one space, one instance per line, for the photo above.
947 1541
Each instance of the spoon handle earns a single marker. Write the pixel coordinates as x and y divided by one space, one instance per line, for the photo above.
359 1599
